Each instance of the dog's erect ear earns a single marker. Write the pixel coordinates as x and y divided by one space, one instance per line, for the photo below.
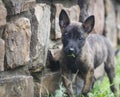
88 24
64 20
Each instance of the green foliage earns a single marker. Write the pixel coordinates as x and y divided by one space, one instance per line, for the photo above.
101 89
60 92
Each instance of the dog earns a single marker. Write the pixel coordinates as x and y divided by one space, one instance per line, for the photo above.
82 51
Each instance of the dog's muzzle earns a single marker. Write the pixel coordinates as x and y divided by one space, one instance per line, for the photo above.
70 52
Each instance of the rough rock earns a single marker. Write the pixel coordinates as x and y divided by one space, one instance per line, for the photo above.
110 23
17 6
96 8
17 86
2 54
3 14
73 12
53 58
56 51
40 36
118 21
17 37
2 31
44 1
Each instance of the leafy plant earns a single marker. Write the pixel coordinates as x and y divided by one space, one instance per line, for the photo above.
60 92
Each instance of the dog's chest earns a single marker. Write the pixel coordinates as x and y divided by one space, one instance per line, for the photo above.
75 66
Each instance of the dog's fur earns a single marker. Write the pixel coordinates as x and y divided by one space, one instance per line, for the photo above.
83 52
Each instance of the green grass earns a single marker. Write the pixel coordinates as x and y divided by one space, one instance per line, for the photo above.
101 87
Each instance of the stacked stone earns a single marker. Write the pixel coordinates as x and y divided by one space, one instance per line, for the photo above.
15 37
29 28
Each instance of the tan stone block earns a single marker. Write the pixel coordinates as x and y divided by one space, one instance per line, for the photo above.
17 38
17 6
2 54
17 86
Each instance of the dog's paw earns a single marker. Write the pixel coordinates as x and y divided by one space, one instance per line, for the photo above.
85 91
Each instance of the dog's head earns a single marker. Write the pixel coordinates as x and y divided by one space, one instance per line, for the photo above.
74 34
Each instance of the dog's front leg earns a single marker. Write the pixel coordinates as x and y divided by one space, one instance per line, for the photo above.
88 81
68 85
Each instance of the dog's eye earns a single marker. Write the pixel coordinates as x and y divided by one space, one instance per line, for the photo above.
80 38
66 35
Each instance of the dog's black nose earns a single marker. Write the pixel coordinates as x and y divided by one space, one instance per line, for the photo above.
71 50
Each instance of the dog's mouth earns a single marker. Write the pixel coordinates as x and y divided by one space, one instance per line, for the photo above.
71 55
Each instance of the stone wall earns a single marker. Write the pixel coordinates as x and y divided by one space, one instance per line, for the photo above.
29 28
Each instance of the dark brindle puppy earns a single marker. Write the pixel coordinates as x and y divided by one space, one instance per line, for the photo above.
83 52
